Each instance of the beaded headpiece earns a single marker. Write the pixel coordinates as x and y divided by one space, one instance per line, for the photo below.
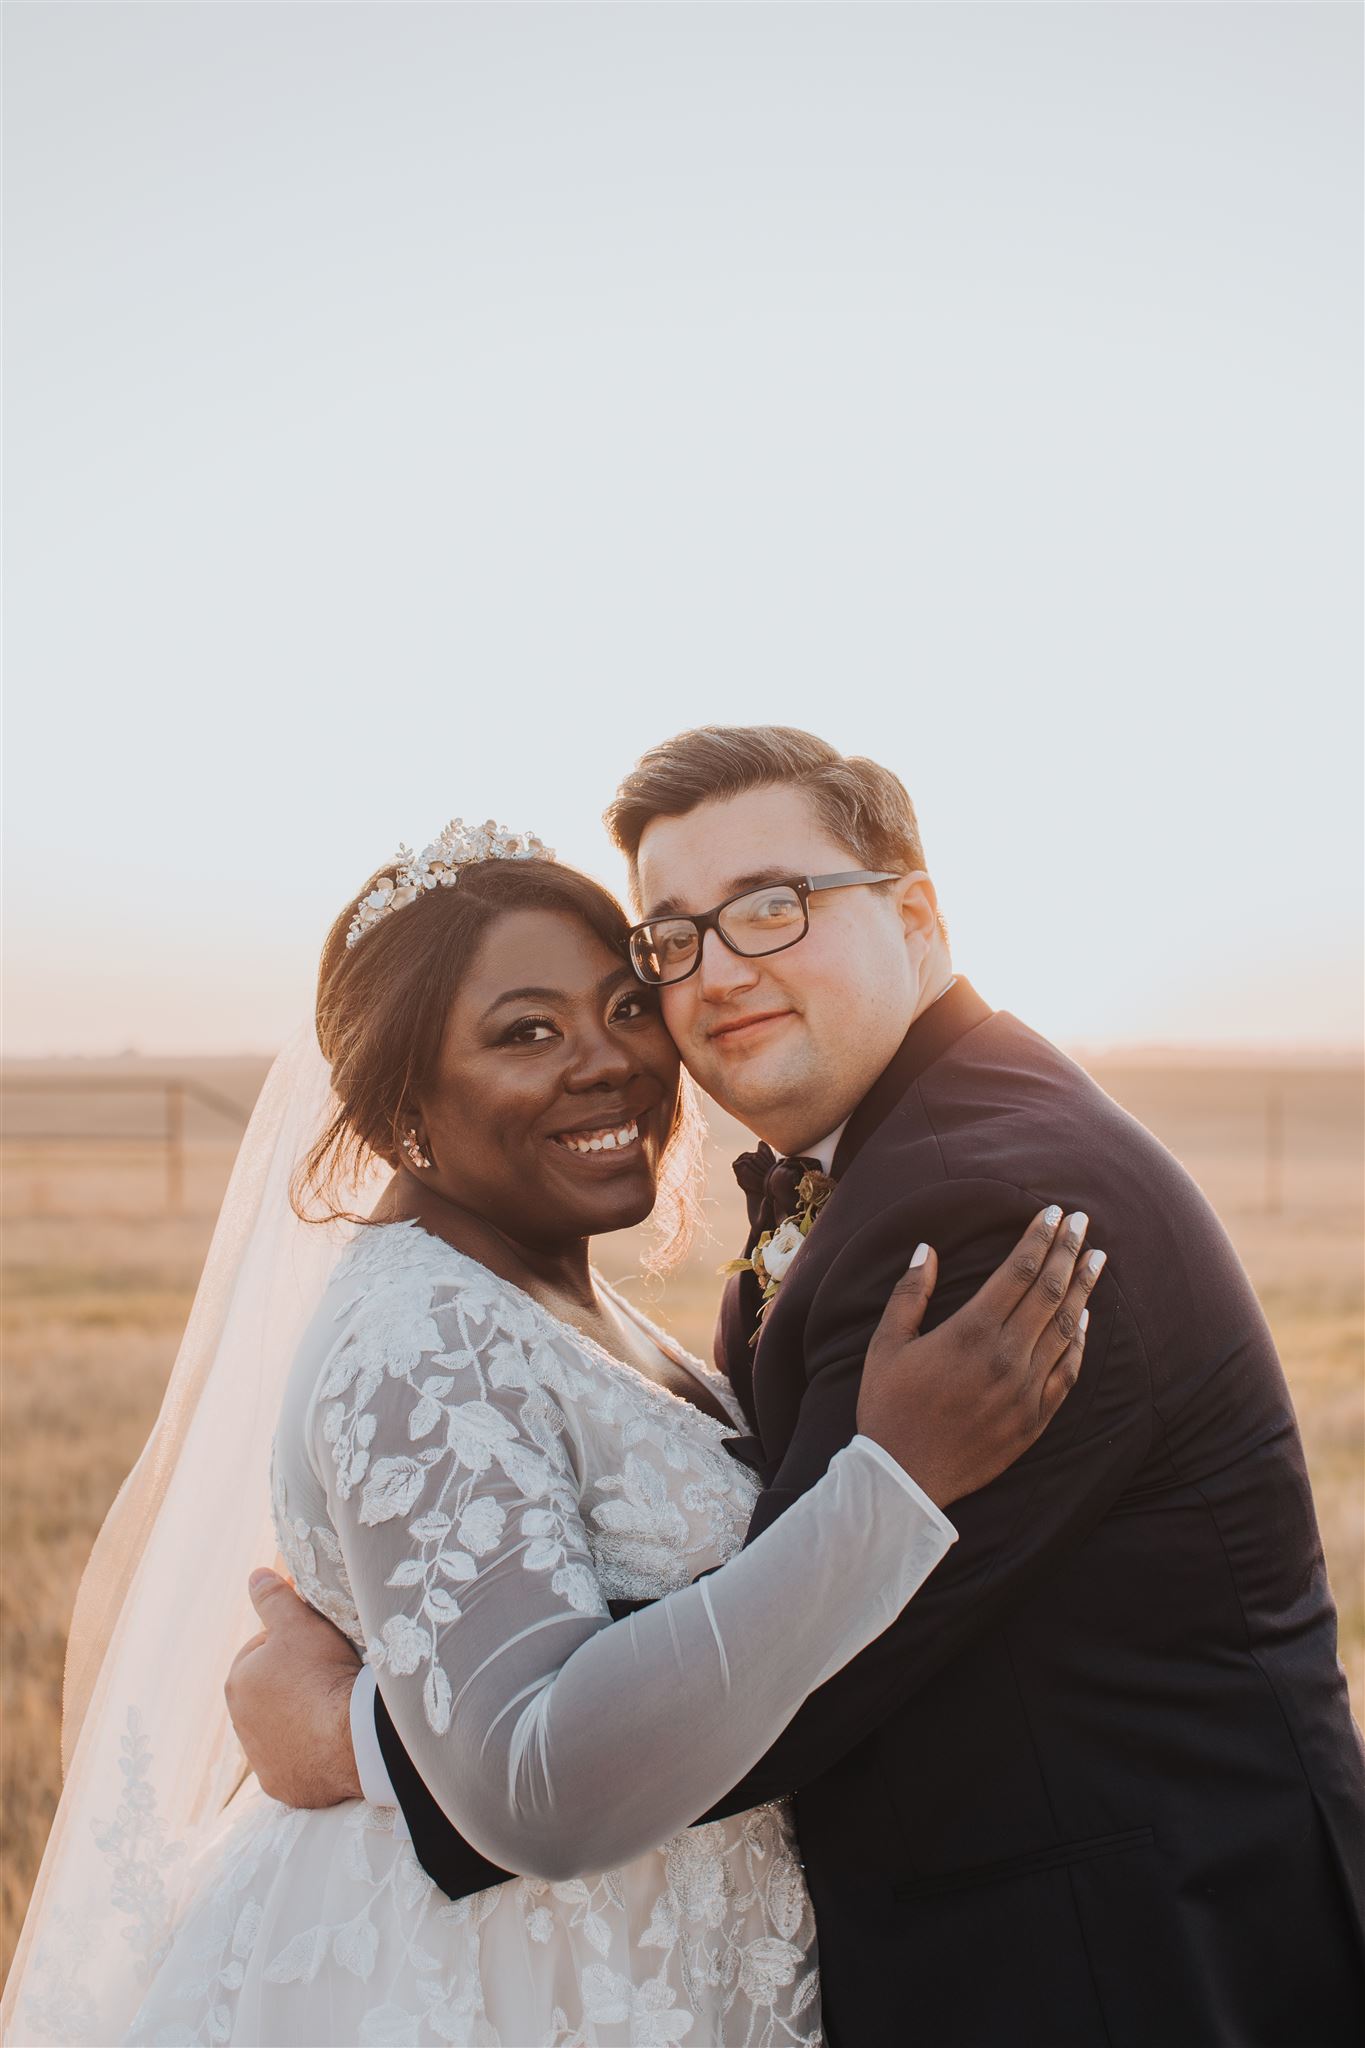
438 867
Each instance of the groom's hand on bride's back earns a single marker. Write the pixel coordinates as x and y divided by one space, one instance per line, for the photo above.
289 1695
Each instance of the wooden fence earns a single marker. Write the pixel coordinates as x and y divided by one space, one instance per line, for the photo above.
167 1134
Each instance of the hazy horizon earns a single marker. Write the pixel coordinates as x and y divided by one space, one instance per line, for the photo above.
1137 1053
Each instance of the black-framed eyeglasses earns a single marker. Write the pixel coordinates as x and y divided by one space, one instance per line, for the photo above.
758 921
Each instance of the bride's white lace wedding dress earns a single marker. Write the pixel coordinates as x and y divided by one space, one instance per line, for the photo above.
461 1482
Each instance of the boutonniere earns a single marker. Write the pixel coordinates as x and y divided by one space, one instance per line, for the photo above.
775 1250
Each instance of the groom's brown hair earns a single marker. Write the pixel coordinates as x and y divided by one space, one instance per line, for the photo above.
857 800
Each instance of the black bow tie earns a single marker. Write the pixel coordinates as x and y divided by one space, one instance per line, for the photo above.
770 1185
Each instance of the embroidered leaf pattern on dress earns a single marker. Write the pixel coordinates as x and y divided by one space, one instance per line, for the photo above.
135 1842
462 1452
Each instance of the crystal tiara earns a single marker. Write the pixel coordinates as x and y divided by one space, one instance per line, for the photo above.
438 867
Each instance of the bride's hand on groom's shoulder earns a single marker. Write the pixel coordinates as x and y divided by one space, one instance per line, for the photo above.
289 1695
959 1404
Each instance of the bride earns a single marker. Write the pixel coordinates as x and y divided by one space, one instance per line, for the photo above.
477 1444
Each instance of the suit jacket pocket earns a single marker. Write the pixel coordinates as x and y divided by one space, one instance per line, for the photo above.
1053 1858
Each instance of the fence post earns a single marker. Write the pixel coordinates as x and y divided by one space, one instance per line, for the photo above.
1274 1148
175 1148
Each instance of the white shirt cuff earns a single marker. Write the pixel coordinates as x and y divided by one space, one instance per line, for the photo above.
375 1782
884 1458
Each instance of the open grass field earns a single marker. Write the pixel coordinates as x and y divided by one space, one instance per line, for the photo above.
98 1279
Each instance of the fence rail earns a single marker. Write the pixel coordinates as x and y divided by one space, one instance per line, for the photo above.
1271 1141
174 1092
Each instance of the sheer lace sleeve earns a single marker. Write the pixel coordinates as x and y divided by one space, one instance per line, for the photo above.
448 1430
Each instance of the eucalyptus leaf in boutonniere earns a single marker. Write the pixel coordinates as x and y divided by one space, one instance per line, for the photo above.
775 1249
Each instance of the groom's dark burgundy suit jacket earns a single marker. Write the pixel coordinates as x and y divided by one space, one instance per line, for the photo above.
1099 1783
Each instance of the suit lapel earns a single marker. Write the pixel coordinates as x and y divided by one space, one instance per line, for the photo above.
932 1034
929 1037
734 1354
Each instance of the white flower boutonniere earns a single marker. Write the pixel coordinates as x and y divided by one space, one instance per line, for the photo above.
775 1250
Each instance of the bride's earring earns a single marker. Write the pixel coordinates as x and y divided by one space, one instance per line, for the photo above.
413 1151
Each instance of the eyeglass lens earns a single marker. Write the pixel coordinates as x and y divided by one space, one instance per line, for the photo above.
763 922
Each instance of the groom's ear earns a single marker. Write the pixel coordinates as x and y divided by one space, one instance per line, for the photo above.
917 901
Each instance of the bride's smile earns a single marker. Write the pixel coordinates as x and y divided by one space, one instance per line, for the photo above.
599 1138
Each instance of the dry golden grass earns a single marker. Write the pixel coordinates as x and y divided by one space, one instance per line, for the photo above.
98 1283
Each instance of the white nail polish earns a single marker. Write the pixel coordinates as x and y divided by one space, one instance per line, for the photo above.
1095 1263
921 1254
1052 1217
1084 1324
1077 1225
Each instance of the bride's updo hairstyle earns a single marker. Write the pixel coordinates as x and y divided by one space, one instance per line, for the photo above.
382 1005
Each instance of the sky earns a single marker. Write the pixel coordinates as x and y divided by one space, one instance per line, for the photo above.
417 411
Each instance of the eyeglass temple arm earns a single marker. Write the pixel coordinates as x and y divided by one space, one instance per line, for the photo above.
814 883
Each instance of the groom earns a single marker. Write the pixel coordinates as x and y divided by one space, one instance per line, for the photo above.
1099 1783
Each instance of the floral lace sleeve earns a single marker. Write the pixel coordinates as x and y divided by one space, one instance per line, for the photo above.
448 1431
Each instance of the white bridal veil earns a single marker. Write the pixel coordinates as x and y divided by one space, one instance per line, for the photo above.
148 1750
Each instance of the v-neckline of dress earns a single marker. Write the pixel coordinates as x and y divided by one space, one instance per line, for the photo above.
693 1367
